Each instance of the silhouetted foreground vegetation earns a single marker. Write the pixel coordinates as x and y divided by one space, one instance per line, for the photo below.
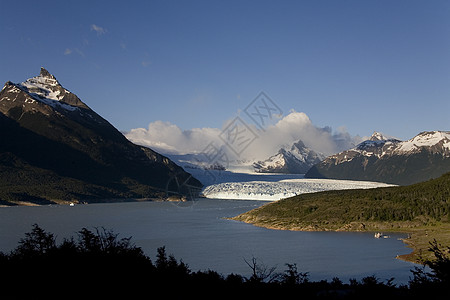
99 264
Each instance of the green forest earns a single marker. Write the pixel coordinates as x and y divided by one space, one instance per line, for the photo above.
419 207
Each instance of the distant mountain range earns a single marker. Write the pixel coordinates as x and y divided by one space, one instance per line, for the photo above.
294 159
297 159
380 158
423 157
54 148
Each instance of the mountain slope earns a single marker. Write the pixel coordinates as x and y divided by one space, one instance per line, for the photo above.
423 157
48 132
297 159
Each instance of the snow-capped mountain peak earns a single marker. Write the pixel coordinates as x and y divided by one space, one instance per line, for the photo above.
45 73
295 159
378 136
438 140
425 156
43 89
379 145
44 94
376 145
44 86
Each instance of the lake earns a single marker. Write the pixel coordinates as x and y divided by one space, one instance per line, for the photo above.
198 233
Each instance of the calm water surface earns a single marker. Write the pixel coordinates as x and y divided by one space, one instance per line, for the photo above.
198 234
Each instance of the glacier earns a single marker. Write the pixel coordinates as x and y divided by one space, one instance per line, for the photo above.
269 187
273 191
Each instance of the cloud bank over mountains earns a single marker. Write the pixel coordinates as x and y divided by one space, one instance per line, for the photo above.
168 138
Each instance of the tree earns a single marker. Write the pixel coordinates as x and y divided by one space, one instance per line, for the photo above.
36 243
293 277
260 272
106 242
170 264
441 265
438 280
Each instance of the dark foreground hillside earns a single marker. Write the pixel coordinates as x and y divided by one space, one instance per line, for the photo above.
99 264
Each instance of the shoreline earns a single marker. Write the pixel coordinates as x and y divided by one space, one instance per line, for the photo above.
418 237
96 201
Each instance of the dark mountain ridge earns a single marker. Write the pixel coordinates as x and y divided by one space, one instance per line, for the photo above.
425 156
48 133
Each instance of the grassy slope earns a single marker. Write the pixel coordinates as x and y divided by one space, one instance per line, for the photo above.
422 209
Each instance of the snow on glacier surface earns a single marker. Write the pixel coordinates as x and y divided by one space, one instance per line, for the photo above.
276 190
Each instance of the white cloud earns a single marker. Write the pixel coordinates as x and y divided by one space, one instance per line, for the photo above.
69 51
99 30
297 126
146 63
168 138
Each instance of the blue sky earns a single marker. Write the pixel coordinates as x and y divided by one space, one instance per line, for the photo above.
364 65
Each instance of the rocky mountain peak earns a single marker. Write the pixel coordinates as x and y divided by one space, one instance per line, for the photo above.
296 159
45 73
44 81
435 140
45 89
299 145
378 136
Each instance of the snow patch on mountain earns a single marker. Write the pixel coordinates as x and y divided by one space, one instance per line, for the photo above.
426 139
46 89
425 156
381 146
378 136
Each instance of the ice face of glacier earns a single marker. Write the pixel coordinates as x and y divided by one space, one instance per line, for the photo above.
273 191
